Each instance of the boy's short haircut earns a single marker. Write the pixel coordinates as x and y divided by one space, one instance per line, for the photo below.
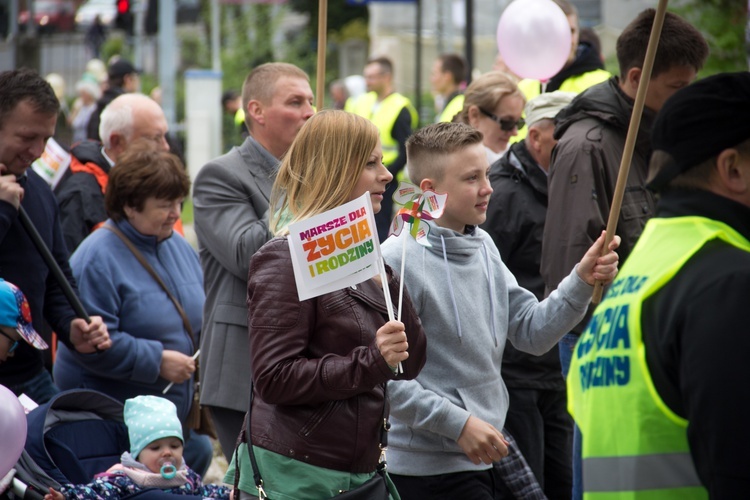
680 44
427 148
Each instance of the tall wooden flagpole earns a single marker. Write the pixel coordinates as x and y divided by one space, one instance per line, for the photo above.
320 87
635 122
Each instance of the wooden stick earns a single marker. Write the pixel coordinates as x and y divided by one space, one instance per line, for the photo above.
54 268
635 122
320 87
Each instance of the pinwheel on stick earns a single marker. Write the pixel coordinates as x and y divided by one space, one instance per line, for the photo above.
416 206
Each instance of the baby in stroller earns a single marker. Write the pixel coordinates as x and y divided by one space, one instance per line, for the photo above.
154 460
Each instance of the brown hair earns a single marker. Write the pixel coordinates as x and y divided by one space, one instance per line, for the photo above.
680 44
386 65
428 147
25 84
143 172
568 8
455 65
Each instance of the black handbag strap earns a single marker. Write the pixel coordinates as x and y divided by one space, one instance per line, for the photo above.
246 431
140 258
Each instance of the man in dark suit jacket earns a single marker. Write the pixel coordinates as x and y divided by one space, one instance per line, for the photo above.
230 198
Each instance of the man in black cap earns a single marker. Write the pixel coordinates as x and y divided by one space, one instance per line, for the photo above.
659 377
122 78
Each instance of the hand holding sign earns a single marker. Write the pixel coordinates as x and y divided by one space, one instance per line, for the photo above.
336 249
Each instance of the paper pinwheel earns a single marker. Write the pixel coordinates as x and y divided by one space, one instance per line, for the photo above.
416 207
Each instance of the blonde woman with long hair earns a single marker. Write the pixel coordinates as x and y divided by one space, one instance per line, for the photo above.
320 365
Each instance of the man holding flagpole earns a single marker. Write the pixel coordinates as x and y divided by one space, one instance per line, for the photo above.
28 113
591 134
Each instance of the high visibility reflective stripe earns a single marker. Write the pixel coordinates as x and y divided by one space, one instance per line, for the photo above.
645 472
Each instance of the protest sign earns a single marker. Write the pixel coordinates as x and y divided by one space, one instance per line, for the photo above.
335 249
53 163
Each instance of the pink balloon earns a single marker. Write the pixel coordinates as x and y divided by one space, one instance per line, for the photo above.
12 430
533 37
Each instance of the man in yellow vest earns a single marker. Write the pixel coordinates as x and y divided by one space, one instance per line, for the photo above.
658 381
395 118
448 73
583 69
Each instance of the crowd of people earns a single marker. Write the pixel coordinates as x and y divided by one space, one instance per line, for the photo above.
497 341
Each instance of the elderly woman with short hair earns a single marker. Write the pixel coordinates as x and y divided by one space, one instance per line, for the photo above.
152 345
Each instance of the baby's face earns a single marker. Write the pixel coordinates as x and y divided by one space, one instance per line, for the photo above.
163 450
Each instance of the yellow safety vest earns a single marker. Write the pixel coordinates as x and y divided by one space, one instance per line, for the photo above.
576 84
634 446
384 115
451 109
239 117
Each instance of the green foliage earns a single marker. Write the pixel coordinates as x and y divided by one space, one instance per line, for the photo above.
194 50
356 28
114 45
339 14
723 23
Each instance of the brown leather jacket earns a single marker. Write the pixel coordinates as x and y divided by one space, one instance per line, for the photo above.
317 373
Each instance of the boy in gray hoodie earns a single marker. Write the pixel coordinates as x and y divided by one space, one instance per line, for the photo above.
445 433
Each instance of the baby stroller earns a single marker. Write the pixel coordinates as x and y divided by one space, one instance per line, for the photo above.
76 435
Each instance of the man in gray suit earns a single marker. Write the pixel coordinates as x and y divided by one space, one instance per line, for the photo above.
230 197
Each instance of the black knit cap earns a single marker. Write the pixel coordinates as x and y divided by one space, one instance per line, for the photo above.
700 121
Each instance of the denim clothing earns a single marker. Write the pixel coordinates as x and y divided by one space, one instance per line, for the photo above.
198 452
40 388
567 344
141 319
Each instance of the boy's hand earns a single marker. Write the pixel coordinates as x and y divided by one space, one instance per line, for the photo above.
595 267
391 341
88 338
54 495
482 442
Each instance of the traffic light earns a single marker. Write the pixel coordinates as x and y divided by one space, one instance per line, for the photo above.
124 20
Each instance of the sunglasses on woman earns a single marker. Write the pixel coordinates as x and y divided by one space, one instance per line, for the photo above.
506 124
14 342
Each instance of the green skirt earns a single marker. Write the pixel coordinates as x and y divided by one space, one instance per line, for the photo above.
285 478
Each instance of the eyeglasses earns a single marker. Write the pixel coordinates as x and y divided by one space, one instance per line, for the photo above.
14 342
506 124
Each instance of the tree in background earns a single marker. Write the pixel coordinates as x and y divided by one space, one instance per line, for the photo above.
724 23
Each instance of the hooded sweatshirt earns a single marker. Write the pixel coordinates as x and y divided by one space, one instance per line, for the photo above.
469 303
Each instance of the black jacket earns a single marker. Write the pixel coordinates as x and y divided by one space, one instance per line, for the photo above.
109 95
515 221
697 338
23 265
592 132
80 196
